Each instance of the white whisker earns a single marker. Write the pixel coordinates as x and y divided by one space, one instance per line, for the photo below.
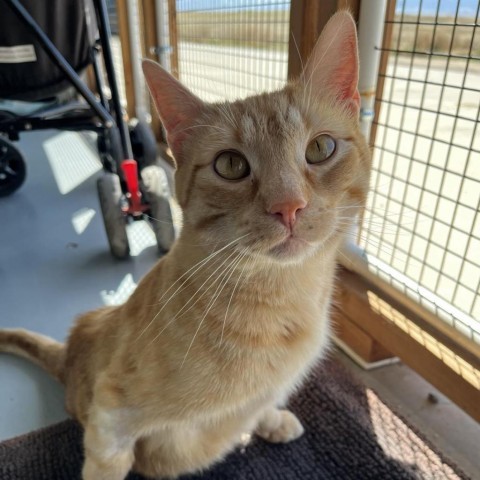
197 266
233 293
179 313
214 298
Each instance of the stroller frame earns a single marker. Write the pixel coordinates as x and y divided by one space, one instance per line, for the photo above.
50 118
133 185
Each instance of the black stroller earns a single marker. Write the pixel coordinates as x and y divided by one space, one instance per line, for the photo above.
45 48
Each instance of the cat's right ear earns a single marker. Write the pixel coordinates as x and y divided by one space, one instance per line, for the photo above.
176 105
332 68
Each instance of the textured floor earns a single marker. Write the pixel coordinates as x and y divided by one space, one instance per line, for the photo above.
55 264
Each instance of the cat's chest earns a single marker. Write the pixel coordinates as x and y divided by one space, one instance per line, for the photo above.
244 371
256 363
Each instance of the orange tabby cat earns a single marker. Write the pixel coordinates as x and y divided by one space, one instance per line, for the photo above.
225 326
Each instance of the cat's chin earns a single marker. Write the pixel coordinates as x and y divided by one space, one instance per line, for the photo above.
291 250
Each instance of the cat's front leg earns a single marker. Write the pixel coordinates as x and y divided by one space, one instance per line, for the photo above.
109 446
279 426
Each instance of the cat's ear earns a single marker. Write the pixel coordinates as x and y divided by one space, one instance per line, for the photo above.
333 64
176 105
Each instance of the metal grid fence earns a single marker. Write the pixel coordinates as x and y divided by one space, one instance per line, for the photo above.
422 223
231 49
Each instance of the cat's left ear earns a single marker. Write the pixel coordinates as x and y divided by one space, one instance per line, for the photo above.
333 63
177 107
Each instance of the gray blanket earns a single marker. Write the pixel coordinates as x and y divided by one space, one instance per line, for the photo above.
349 434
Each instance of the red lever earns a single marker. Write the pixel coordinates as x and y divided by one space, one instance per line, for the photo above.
130 170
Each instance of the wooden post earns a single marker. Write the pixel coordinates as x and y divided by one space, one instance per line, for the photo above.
149 29
172 28
399 331
149 45
360 342
307 19
124 33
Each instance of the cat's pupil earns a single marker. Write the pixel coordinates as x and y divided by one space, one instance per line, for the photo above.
320 149
231 166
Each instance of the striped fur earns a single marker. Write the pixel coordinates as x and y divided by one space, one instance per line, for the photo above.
222 330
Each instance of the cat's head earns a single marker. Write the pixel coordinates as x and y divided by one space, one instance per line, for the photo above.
283 172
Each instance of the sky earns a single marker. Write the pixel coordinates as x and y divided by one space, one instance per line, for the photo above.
466 8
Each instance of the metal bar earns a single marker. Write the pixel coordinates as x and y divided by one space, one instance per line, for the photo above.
124 35
61 110
428 110
428 82
370 34
60 61
430 24
133 17
161 19
436 167
99 80
421 135
432 54
384 56
173 34
105 36
150 38
64 123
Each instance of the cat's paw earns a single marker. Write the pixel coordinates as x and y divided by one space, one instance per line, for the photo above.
283 427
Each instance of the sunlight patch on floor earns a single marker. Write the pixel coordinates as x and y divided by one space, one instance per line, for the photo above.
140 237
71 159
121 294
81 219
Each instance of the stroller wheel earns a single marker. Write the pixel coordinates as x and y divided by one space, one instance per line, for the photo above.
144 144
110 197
13 169
158 196
109 147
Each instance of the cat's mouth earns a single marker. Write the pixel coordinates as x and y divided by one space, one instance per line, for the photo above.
291 246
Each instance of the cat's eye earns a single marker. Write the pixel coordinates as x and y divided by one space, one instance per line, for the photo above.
320 149
231 165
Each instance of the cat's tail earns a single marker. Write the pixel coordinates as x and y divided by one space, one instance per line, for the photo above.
42 350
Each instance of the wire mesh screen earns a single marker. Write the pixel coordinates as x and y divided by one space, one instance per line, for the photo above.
229 49
422 223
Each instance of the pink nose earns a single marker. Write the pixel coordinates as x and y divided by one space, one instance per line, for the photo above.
286 212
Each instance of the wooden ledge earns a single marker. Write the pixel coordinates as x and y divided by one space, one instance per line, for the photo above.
378 317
